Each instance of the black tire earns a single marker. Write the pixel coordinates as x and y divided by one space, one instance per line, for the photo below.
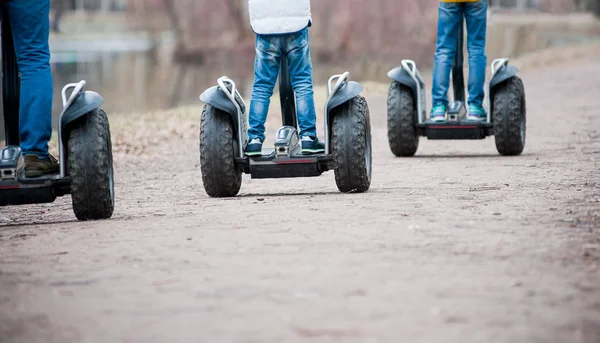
351 146
510 117
90 166
402 131
220 175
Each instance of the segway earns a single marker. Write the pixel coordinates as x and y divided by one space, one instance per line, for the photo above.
223 138
85 150
407 114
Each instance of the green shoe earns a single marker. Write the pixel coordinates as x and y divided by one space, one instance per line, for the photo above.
438 113
477 113
254 147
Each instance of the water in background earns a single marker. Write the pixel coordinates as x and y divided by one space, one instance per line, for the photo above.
132 81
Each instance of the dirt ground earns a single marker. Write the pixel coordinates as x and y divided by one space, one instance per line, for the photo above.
455 245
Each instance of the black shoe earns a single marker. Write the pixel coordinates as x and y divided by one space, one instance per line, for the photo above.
254 147
311 145
36 167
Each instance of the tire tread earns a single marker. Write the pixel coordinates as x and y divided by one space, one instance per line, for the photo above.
90 165
351 137
509 106
220 176
402 133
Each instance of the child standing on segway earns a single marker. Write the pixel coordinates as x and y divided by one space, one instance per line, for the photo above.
281 28
451 14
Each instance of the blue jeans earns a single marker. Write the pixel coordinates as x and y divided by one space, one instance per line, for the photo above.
30 24
269 51
450 19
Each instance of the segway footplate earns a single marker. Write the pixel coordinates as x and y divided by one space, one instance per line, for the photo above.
271 166
27 191
458 130
17 194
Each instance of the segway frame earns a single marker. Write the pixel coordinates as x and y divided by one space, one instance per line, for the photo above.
456 127
285 160
15 188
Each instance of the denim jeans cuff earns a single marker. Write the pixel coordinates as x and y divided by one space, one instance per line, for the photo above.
41 155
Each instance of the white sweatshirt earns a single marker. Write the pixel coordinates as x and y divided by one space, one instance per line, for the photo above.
279 16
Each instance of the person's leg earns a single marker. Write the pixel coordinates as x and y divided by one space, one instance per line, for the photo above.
476 18
449 20
266 70
300 64
30 23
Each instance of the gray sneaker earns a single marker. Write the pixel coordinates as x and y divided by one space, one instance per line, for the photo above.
311 145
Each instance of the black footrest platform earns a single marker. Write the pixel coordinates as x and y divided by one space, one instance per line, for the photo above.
269 166
457 130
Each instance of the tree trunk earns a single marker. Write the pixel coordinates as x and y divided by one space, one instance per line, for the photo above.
237 14
174 21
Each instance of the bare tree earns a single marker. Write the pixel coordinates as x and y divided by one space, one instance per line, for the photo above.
60 7
174 21
237 11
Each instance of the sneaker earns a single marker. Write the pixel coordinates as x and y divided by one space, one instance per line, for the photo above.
254 147
36 167
438 113
476 113
311 145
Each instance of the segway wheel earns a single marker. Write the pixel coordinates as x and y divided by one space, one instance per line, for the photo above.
90 165
509 116
220 176
351 146
402 132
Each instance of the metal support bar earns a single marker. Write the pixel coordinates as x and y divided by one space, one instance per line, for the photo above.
222 81
77 89
341 79
496 65
411 68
